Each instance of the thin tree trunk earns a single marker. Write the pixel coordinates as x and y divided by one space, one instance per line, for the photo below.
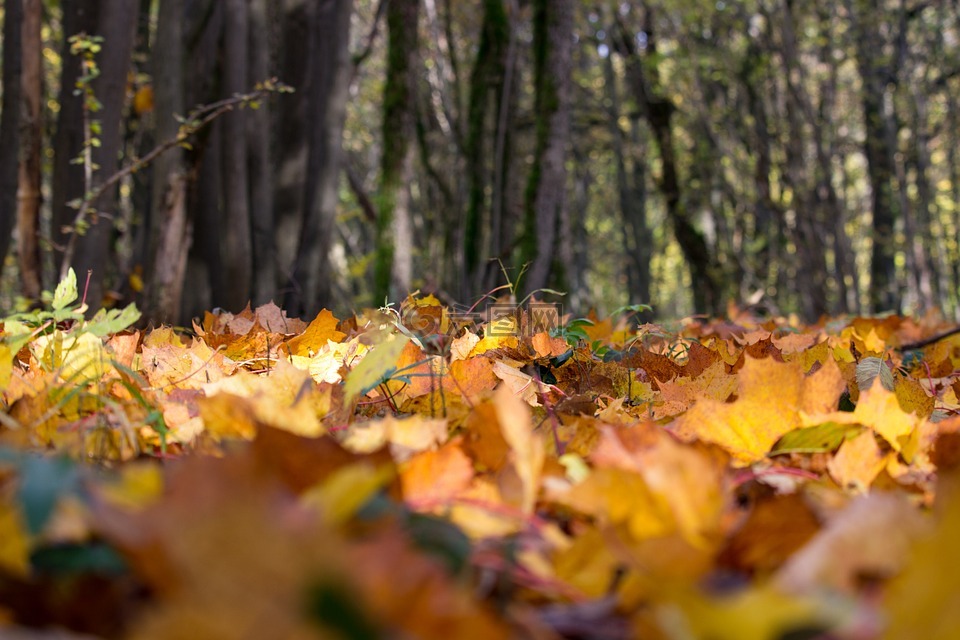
881 169
260 162
658 110
329 72
28 193
117 22
547 186
810 229
486 86
394 250
13 25
236 233
78 17
170 230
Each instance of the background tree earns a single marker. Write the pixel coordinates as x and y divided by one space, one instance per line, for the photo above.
546 188
798 157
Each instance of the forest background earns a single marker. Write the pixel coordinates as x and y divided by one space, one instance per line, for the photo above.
800 156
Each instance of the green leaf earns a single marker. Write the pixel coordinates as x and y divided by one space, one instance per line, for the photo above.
42 482
106 322
871 368
375 367
440 539
75 559
66 291
821 438
633 308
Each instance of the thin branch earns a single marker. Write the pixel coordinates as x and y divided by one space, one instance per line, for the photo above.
371 37
199 119
910 346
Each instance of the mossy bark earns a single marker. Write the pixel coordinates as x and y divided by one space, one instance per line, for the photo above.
398 132
546 186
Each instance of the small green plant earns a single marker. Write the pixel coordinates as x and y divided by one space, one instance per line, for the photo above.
66 313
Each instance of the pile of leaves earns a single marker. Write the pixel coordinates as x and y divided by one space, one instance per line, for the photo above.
411 473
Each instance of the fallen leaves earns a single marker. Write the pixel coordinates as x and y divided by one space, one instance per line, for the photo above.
407 473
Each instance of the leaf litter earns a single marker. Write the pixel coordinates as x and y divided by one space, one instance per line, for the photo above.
397 474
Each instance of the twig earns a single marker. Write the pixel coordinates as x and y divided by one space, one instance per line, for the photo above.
207 114
927 341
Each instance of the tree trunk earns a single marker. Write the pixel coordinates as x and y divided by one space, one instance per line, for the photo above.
170 232
236 244
78 17
29 194
547 185
260 162
204 20
658 110
117 21
632 196
394 259
329 69
877 107
13 25
486 90
810 231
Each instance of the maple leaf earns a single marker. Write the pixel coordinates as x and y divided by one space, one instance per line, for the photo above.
877 409
321 329
767 407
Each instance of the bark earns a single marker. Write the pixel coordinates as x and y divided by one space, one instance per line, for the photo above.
29 196
767 218
504 195
546 188
329 71
291 135
117 24
260 162
78 16
204 20
170 231
810 232
10 121
877 105
919 234
486 89
394 258
236 244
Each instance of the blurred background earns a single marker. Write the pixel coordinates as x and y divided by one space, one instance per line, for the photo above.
797 156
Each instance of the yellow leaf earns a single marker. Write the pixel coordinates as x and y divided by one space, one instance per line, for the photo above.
913 399
526 447
858 462
375 366
15 545
769 393
6 365
758 613
922 601
461 347
341 494
877 409
518 382
287 399
137 486
316 335
620 497
80 358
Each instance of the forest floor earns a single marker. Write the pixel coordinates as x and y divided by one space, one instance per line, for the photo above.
411 472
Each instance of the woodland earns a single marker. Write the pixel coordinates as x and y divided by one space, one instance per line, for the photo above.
480 319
